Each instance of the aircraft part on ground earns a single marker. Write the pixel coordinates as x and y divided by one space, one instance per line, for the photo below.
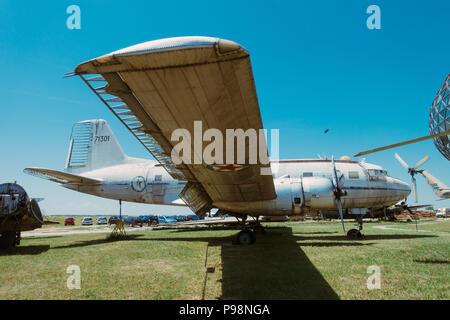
17 213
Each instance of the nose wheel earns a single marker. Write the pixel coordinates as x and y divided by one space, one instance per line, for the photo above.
354 234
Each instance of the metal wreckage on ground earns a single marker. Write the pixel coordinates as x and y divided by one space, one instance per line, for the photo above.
18 213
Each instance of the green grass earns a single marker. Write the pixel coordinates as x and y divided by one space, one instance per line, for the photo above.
293 260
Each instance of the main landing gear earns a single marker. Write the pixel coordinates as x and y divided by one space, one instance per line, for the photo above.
249 230
354 234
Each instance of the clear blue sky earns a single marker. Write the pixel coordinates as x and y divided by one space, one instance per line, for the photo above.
315 63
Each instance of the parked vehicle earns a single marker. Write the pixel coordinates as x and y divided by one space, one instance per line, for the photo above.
133 221
69 222
113 219
181 218
87 221
102 220
192 217
166 219
443 212
149 220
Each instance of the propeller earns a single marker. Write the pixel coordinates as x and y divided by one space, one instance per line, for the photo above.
405 206
337 190
413 171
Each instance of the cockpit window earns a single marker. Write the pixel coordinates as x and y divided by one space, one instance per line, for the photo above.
307 174
376 174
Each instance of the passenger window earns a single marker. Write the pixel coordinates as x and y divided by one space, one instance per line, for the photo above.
158 177
307 174
353 175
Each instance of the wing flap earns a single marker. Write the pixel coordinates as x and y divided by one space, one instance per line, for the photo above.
60 177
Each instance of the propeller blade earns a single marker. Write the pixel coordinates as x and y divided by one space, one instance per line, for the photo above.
421 161
403 163
341 181
335 180
414 188
339 204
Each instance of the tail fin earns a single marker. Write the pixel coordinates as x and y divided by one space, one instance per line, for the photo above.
438 186
93 146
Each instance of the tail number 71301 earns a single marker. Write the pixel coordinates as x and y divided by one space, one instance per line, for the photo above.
101 139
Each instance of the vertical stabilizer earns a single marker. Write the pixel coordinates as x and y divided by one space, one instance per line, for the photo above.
93 146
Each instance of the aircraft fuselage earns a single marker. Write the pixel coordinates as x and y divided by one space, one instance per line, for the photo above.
301 186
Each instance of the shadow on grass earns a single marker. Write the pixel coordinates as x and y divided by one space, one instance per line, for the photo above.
432 261
333 244
275 267
365 237
320 232
86 243
41 237
24 250
209 228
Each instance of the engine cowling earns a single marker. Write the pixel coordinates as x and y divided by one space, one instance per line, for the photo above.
318 193
289 200
294 196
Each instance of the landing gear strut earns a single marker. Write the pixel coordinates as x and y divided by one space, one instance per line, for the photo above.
247 236
356 233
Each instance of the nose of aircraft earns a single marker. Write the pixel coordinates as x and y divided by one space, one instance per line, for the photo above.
405 189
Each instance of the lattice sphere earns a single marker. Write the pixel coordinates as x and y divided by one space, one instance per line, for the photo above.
439 120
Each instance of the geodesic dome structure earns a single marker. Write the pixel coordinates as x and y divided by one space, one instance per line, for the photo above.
439 120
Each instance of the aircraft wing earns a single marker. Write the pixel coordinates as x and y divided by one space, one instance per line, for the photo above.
60 177
159 86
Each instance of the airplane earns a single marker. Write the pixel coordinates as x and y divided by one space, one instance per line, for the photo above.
438 187
157 87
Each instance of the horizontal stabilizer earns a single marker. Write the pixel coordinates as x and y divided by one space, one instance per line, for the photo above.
60 177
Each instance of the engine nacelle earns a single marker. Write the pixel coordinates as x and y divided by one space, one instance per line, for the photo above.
318 193
294 196
289 200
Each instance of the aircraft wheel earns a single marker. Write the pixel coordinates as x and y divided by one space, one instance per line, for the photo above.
246 237
354 234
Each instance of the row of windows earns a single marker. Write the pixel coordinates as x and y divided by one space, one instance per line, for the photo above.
376 172
351 174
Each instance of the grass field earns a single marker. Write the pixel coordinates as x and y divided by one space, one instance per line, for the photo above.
293 260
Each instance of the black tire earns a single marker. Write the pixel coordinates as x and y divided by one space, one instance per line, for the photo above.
7 239
354 234
246 237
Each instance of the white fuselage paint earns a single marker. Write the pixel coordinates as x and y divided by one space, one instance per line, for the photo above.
301 186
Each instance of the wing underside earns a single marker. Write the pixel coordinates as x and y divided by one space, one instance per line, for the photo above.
157 87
